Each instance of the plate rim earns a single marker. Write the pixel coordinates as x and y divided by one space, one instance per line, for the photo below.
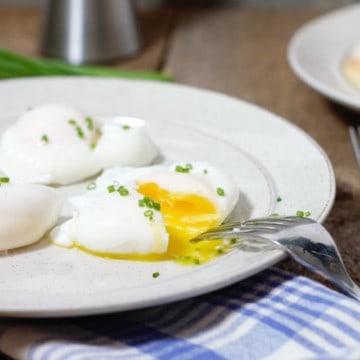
276 258
333 94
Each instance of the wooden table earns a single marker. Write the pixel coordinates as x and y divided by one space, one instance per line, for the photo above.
241 52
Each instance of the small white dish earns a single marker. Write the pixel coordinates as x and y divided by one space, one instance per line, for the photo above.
318 49
267 156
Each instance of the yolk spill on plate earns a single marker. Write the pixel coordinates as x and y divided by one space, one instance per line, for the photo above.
185 216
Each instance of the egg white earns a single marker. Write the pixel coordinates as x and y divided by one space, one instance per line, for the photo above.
58 144
27 212
111 224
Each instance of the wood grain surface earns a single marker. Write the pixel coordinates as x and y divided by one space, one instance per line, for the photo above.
241 52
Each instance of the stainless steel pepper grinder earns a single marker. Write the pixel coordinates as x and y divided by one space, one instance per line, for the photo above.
90 31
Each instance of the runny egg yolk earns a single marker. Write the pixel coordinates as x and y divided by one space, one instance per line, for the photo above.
186 216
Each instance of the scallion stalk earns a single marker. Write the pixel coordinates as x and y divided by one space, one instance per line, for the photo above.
16 65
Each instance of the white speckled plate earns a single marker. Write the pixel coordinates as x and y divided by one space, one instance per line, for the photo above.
266 155
318 49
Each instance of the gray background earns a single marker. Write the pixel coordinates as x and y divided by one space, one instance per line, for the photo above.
320 4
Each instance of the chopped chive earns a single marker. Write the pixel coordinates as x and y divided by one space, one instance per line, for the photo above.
72 122
278 199
155 274
80 132
126 127
89 123
196 261
44 139
220 191
149 214
91 186
4 180
183 169
274 214
205 171
141 203
307 213
233 241
111 188
148 202
157 206
123 191
300 213
220 251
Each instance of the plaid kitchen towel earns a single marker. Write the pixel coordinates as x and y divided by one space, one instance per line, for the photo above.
272 315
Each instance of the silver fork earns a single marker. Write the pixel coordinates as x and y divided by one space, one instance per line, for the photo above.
304 239
354 132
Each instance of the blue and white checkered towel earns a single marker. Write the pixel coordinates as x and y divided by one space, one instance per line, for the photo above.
273 315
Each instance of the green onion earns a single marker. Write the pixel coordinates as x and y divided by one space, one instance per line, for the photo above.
278 199
4 180
149 214
233 241
157 206
89 123
123 191
149 203
126 127
72 122
80 132
205 171
183 169
301 213
16 65
155 274
44 139
220 191
111 188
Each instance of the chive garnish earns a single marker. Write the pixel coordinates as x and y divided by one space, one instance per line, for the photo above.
126 127
72 122
44 139
123 191
155 274
111 188
89 123
205 171
278 199
149 214
183 169
220 191
80 132
301 213
4 180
